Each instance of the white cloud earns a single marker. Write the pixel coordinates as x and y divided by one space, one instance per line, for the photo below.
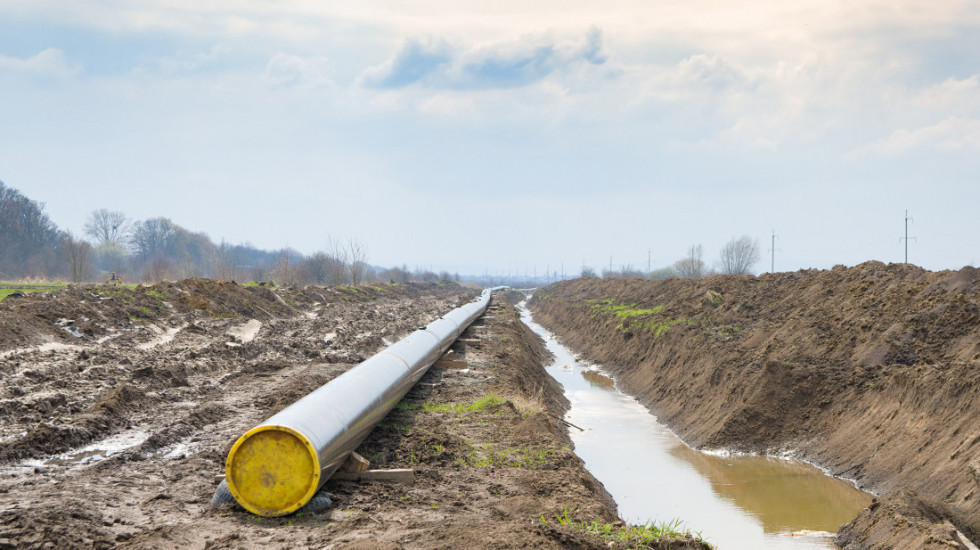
950 135
291 70
437 64
50 63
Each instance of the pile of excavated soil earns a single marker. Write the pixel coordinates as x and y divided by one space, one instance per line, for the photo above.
118 408
871 372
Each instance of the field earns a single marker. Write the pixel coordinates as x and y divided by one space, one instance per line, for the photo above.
119 405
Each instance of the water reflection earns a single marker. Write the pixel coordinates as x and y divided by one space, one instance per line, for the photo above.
786 496
598 380
736 502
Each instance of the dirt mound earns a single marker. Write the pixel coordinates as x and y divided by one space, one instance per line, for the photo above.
76 315
901 520
106 415
227 298
871 372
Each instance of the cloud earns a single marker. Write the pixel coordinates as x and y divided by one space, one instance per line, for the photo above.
439 65
187 62
415 61
49 63
712 73
950 135
291 70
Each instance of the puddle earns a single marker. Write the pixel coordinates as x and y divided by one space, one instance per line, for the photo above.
734 501
182 449
94 452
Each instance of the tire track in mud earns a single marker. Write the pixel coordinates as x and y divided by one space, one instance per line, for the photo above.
178 400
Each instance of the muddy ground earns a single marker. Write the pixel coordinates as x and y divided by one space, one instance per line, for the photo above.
871 372
118 407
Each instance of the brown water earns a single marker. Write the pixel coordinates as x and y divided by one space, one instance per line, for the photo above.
734 501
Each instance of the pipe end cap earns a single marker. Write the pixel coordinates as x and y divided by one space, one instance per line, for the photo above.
272 470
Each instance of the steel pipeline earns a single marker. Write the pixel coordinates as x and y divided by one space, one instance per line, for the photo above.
276 467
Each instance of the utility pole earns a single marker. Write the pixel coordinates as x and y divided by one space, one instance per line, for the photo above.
773 250
610 263
906 237
649 264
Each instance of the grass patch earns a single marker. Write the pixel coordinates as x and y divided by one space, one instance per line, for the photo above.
633 536
488 401
622 311
632 318
659 327
270 284
156 294
486 456
8 288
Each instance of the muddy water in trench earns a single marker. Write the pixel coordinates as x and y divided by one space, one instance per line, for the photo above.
735 502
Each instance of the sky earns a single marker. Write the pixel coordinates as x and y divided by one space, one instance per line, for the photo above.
508 136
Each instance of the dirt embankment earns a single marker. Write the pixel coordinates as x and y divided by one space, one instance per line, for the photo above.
871 372
118 408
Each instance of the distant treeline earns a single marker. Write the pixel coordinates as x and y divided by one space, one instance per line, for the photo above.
33 247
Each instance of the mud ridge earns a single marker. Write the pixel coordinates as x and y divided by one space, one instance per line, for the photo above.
870 372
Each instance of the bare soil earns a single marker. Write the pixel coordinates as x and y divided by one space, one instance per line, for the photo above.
118 408
871 372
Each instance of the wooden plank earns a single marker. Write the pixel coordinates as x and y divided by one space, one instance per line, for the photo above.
404 475
451 364
355 463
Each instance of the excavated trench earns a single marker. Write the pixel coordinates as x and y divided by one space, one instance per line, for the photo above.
868 372
735 501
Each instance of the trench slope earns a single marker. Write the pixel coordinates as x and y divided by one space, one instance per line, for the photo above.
871 372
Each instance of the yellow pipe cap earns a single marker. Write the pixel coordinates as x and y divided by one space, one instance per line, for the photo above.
272 470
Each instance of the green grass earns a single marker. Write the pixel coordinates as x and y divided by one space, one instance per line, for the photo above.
488 401
622 311
156 294
645 535
632 318
8 288
658 328
486 456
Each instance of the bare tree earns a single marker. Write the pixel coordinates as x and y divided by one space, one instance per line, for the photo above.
629 272
29 240
662 273
587 272
106 226
285 270
739 255
357 256
224 261
693 265
77 253
153 238
316 267
337 266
